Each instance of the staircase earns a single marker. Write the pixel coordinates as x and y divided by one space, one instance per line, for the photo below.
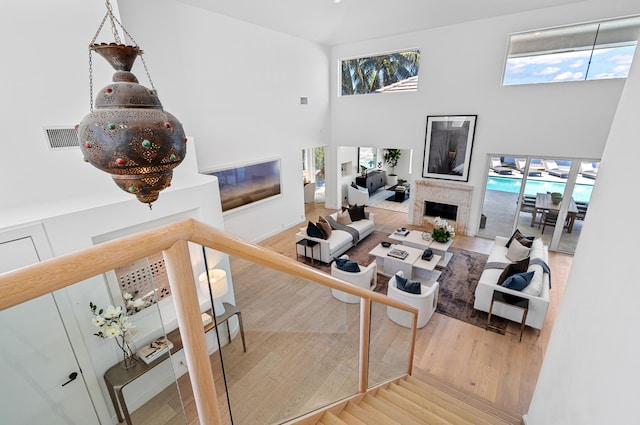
410 401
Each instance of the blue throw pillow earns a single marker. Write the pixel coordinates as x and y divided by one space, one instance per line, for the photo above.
314 231
408 285
518 281
347 265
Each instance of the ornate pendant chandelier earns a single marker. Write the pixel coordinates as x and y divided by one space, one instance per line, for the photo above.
129 135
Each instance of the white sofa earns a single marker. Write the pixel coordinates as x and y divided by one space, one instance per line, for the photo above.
537 292
338 242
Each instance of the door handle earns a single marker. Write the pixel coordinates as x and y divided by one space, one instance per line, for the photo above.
72 377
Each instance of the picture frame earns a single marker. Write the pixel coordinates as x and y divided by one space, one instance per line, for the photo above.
244 184
447 146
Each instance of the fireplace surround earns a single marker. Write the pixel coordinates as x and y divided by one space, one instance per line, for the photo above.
442 192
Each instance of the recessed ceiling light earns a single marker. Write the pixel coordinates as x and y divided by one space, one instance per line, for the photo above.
337 1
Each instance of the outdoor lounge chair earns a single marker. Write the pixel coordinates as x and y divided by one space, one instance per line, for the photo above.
552 168
520 164
588 170
496 166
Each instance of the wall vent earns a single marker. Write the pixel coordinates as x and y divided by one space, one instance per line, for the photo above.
61 137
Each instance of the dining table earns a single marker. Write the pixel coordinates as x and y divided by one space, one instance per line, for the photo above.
544 203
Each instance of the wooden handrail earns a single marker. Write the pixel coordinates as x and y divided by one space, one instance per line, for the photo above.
33 281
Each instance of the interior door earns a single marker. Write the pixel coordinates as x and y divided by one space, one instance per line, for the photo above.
41 380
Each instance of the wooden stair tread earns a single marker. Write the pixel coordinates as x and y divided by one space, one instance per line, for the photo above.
412 401
449 410
489 411
350 419
368 417
330 419
392 410
421 413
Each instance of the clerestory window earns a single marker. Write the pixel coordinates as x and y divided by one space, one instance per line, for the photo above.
592 51
392 72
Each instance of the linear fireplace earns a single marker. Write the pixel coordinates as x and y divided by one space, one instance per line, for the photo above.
437 209
430 193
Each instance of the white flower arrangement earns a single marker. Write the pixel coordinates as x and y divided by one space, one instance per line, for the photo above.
442 230
112 322
134 305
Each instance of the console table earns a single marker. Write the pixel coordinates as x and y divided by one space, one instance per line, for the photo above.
373 181
117 377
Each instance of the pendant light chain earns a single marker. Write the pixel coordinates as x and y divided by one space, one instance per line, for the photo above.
116 36
141 52
114 30
93 41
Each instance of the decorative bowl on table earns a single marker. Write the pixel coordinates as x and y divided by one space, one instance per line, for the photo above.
385 244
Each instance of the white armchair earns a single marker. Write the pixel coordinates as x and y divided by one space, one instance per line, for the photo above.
425 302
366 278
359 196
309 193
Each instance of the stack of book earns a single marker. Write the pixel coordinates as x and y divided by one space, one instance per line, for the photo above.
398 253
155 349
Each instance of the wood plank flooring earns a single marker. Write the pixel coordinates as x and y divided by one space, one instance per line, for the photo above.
302 344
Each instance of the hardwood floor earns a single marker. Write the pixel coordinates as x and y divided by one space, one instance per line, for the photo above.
302 344
495 367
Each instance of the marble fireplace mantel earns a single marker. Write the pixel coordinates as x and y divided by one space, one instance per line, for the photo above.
447 193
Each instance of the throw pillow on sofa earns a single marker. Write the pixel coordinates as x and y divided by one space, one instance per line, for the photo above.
347 265
343 217
518 281
314 231
408 285
513 268
324 227
524 240
356 212
517 251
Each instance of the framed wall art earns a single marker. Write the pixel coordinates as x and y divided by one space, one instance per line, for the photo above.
242 185
447 146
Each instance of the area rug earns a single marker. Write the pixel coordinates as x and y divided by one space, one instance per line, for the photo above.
458 281
379 198
392 198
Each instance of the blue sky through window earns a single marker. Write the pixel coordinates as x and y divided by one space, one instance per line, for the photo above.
613 62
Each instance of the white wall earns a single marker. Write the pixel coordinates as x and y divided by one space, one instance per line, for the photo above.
590 372
460 73
345 154
46 83
237 89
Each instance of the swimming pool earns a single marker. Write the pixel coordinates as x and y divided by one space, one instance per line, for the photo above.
581 192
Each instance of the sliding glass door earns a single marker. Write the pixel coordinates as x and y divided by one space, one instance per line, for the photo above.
543 197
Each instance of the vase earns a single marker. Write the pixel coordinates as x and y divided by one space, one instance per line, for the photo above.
442 238
129 358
